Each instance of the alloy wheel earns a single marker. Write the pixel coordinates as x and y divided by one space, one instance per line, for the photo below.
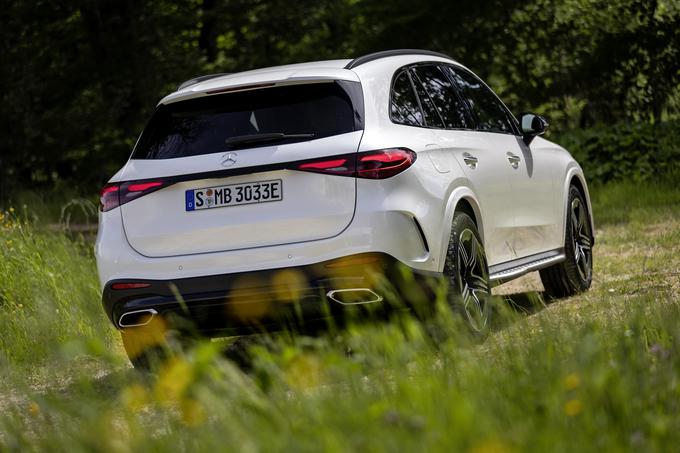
473 278
582 239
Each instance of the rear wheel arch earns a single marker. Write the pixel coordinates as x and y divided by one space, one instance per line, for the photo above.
461 199
464 205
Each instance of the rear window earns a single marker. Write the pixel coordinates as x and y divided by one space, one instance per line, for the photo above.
203 125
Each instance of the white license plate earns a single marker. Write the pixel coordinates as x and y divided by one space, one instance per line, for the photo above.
233 195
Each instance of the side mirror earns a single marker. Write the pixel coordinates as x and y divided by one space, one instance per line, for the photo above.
532 126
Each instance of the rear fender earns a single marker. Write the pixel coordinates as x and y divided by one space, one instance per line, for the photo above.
457 194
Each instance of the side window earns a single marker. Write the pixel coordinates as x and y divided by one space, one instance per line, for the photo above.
437 85
432 117
491 115
404 106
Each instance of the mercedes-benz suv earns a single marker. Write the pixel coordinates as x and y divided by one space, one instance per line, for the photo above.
279 193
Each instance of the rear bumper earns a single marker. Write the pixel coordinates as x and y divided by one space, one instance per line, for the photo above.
239 303
393 216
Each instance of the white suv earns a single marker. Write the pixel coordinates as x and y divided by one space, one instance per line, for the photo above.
249 191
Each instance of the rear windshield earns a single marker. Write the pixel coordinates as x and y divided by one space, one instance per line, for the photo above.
203 125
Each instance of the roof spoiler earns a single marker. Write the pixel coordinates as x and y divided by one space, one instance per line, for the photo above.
196 80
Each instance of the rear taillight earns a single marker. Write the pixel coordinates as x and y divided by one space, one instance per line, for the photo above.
384 163
108 197
117 194
379 164
336 165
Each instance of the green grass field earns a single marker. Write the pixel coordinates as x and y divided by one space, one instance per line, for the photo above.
600 371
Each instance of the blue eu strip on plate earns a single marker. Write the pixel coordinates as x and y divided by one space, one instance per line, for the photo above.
189 197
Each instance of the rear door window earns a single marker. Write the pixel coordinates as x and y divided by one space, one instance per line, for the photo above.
437 85
490 114
203 125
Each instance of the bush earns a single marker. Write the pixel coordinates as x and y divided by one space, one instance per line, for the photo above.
634 152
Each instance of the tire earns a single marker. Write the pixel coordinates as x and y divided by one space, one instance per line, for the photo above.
468 273
575 273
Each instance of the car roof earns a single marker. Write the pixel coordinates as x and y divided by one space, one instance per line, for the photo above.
341 69
299 72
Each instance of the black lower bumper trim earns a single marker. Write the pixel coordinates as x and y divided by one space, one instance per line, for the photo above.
238 303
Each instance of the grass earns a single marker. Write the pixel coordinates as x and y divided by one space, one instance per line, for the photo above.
598 371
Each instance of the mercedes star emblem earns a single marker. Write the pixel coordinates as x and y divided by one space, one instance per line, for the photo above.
228 159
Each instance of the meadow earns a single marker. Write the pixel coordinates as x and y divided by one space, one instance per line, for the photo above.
598 371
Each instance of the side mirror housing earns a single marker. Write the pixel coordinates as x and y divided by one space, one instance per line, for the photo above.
532 125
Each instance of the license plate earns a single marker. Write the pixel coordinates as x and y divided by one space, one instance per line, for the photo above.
234 195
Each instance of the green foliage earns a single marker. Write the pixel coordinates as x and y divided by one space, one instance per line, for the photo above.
637 152
584 62
80 79
651 200
49 292
597 372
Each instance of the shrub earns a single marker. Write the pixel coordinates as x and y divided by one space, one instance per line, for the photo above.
624 151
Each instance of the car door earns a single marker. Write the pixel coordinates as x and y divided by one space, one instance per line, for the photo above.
476 153
531 180
497 152
538 209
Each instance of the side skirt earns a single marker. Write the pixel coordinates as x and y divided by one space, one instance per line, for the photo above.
510 270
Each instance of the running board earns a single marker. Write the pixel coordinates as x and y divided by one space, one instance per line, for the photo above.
504 272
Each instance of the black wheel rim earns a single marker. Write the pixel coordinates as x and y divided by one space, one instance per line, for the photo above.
582 239
473 279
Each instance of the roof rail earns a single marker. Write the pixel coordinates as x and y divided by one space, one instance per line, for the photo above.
391 53
196 80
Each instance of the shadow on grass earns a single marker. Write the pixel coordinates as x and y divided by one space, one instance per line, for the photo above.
512 308
527 303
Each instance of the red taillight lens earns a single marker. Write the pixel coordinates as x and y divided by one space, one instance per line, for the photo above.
384 163
109 197
114 195
144 186
343 166
379 164
130 285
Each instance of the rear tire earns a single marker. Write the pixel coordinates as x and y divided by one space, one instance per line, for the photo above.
468 273
575 273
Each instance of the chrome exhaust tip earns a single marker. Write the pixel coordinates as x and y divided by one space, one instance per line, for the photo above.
137 318
354 296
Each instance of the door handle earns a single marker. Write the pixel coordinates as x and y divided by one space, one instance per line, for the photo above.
470 160
514 160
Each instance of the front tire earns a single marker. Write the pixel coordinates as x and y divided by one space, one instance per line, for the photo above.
468 273
575 273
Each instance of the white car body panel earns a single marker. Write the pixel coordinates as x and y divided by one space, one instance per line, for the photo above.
490 180
537 211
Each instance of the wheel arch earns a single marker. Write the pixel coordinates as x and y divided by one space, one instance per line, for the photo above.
576 178
465 206
461 199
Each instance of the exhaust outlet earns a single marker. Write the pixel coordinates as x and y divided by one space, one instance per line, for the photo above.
354 296
137 318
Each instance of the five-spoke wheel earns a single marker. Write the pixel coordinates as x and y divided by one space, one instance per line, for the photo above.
468 272
575 273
